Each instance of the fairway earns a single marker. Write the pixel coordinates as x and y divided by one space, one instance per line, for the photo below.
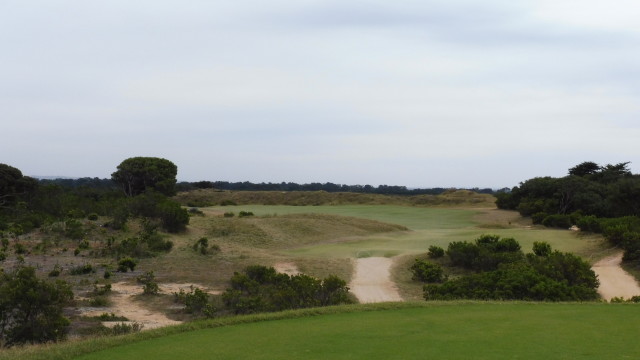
428 226
441 331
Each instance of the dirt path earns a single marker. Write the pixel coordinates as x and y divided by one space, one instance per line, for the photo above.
123 304
372 281
287 268
614 281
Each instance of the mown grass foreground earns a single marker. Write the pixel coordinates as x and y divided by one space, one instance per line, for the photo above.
455 330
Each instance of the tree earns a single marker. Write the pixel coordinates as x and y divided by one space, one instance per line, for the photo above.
138 174
31 309
13 184
584 169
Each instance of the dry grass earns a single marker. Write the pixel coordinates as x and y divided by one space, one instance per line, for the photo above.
210 197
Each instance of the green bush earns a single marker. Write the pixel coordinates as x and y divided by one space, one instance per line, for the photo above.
82 269
543 276
148 280
31 310
557 221
245 213
427 272
127 264
541 248
589 223
92 217
228 203
538 217
174 218
262 289
195 302
229 214
435 252
201 246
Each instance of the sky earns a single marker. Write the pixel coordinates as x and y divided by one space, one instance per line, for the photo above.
424 93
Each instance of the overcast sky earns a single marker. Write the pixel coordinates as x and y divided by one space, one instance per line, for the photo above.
420 93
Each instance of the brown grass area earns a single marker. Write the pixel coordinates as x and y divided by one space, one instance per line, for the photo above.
210 197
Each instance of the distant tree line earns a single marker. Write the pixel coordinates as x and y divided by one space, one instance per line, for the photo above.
601 199
328 187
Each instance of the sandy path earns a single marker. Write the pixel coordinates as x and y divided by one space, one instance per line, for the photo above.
614 281
372 281
287 268
122 304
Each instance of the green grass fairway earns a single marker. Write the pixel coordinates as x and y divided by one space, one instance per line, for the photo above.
429 331
429 226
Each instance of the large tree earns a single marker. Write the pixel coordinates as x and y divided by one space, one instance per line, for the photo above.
138 174
13 184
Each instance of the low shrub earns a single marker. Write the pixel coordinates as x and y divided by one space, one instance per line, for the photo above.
245 213
82 269
557 221
435 252
127 264
427 272
124 328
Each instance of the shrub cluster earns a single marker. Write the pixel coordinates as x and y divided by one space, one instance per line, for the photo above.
503 272
262 289
427 272
195 302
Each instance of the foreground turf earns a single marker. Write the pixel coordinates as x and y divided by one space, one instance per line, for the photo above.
442 331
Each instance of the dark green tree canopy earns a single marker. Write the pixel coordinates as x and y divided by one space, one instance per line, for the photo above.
584 169
138 174
13 184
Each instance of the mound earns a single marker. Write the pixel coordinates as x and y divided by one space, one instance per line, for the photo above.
287 231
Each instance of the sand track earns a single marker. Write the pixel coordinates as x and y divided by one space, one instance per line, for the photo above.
372 280
614 281
123 304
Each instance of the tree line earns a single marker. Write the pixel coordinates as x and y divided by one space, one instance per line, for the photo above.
600 199
328 187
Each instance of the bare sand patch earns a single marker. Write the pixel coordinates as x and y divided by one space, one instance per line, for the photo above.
288 268
372 280
614 281
123 304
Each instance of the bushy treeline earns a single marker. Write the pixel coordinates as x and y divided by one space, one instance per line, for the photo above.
502 271
27 204
328 187
262 289
599 199
603 191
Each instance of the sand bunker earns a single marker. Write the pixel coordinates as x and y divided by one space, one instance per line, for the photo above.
614 281
372 280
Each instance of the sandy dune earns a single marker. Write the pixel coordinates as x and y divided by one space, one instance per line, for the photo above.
614 281
371 282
